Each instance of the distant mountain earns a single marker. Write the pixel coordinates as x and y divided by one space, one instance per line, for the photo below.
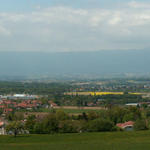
102 62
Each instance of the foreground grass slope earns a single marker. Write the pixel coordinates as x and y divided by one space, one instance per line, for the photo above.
84 141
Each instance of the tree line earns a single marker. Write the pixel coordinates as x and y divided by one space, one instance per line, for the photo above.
92 121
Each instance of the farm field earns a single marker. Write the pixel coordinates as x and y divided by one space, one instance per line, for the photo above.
82 141
98 93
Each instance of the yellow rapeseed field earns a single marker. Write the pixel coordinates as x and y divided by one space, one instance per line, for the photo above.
106 93
98 93
136 93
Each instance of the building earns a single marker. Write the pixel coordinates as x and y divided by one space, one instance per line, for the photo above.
132 104
2 128
7 110
127 126
52 104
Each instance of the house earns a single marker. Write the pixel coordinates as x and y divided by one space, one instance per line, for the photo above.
7 110
127 126
2 106
2 128
90 104
52 104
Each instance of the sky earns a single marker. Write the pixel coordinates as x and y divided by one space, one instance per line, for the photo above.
74 25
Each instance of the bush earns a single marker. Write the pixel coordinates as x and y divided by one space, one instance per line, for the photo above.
100 125
140 125
50 124
38 128
71 126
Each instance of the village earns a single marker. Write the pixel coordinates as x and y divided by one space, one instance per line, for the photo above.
71 104
28 107
21 103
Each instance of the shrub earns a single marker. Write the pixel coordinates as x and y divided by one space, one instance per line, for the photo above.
71 126
100 125
140 125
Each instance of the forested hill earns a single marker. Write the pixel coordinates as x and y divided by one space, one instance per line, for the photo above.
108 61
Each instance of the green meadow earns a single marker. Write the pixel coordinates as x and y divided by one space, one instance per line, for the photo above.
81 141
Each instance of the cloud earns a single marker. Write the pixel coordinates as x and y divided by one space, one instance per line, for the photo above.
4 31
135 4
76 29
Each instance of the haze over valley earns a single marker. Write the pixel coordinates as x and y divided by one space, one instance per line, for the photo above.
74 63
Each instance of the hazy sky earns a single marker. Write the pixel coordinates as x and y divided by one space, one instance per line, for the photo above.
74 25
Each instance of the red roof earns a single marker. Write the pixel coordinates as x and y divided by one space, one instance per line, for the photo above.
1 124
25 105
22 105
8 110
126 124
7 102
2 106
52 103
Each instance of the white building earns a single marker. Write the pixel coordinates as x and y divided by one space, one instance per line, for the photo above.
132 104
19 95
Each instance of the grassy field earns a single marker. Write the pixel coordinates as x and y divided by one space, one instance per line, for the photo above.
84 141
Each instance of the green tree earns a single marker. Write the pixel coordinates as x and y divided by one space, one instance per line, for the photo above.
61 115
38 128
16 127
92 115
71 126
140 125
128 117
50 124
98 125
29 124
